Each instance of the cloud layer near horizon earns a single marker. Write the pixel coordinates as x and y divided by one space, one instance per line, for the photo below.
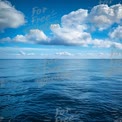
75 29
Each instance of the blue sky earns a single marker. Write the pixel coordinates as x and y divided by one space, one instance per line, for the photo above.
60 29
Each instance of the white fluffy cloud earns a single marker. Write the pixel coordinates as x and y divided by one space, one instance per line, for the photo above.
34 36
74 18
9 16
69 36
72 29
117 33
101 43
75 28
103 16
106 44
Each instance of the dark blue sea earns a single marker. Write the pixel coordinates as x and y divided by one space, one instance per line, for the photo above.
61 90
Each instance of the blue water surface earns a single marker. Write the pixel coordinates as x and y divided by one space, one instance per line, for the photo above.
61 90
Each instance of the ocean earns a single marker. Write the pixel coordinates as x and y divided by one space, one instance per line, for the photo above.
61 90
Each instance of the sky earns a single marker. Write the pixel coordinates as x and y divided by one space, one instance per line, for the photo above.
61 29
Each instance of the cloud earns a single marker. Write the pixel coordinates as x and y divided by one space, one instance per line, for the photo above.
69 36
74 18
40 53
72 29
75 29
22 53
64 54
103 16
116 34
102 43
34 36
9 16
106 44
8 39
117 45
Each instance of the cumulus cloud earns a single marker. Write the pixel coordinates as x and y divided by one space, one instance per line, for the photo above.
103 16
9 16
69 36
106 44
102 43
75 29
74 18
34 36
72 29
116 34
